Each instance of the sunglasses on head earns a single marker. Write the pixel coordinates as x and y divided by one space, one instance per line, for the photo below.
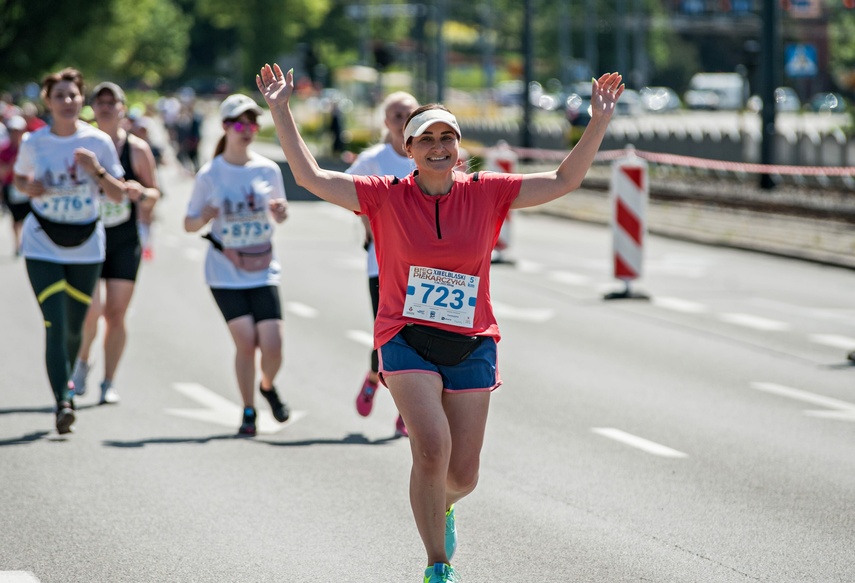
239 126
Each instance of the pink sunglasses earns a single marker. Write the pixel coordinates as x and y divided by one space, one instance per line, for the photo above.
240 126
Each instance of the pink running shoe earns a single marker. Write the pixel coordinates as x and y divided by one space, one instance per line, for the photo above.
365 398
400 428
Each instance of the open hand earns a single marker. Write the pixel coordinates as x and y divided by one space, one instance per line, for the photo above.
275 86
605 94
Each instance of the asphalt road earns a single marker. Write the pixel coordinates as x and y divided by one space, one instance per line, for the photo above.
704 435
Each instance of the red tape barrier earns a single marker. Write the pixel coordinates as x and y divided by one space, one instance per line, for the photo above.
702 163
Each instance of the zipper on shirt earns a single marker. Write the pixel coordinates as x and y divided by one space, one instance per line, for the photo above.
438 229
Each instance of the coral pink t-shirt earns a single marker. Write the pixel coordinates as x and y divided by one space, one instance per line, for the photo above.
455 232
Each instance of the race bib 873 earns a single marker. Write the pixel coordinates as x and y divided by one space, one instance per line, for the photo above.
437 295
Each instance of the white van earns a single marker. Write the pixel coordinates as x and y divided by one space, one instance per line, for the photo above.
716 91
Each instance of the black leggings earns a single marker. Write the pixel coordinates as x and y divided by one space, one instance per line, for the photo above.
64 292
374 290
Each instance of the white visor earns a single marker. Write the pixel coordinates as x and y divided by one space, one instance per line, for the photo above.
425 119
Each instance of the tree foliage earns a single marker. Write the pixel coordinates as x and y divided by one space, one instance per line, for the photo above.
34 34
119 39
265 28
841 41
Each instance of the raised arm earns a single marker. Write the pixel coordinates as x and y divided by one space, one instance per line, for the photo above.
543 187
334 187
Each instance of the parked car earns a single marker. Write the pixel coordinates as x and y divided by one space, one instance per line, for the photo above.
577 106
577 109
786 99
827 102
716 91
629 103
660 99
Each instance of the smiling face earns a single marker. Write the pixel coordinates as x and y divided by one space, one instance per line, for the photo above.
435 150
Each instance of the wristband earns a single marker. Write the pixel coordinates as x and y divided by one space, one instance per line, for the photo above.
101 173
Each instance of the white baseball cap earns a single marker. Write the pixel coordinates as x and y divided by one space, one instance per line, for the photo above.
234 105
427 118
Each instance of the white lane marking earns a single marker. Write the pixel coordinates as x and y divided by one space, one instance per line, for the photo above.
18 577
756 322
838 409
524 266
833 340
220 411
569 278
639 442
838 315
680 305
504 311
361 336
301 310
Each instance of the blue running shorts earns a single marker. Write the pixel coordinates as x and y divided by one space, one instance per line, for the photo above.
479 372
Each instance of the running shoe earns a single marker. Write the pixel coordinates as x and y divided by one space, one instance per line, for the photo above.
441 573
365 399
108 394
280 410
65 417
247 427
450 533
78 377
400 428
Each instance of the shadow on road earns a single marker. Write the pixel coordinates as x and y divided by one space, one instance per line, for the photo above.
24 439
350 439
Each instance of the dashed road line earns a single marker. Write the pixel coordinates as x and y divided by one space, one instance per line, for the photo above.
833 408
18 577
504 311
361 336
833 340
680 305
569 277
301 310
755 322
645 445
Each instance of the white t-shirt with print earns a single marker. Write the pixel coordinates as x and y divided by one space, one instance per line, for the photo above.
242 194
380 160
72 195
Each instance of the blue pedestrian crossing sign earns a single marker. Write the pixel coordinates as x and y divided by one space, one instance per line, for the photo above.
800 60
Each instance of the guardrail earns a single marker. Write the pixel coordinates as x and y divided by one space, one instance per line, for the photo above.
821 156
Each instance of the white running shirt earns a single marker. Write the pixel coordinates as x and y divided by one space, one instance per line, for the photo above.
380 160
242 194
72 195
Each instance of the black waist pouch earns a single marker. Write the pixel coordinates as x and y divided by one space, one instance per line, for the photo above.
66 234
440 346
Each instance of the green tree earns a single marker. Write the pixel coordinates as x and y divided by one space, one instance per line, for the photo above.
146 40
34 34
266 29
119 39
841 43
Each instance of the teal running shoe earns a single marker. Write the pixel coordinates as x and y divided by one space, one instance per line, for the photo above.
441 573
450 533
